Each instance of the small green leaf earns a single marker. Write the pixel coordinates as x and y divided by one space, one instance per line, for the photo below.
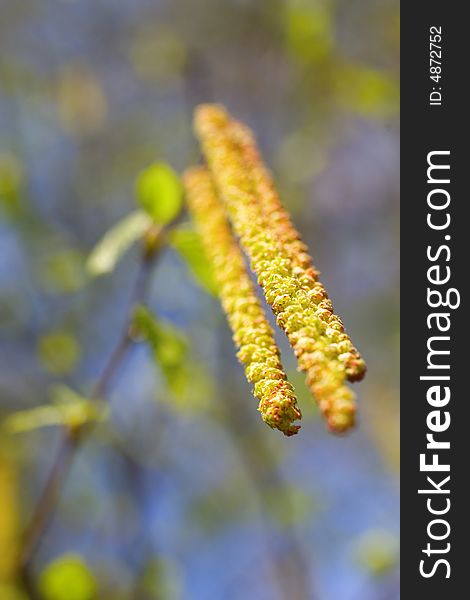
169 347
67 578
9 591
116 241
58 352
160 193
67 409
187 242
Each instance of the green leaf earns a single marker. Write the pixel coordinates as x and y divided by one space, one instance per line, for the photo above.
67 578
160 193
59 352
11 182
169 347
66 409
309 31
117 240
187 242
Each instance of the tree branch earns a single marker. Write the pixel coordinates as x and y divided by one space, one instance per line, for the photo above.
73 438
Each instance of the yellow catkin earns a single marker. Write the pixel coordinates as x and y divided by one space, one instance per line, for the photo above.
297 251
300 303
257 349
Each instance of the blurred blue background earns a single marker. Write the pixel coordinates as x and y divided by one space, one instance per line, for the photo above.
188 494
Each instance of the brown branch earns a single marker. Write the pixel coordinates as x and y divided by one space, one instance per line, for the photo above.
73 438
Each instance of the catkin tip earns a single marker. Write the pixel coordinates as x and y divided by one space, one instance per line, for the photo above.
210 115
339 423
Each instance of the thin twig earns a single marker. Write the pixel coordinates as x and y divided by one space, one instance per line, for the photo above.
72 438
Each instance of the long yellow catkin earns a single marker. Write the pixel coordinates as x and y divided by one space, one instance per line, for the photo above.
300 303
252 333
297 251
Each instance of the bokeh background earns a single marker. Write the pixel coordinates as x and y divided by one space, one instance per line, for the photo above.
181 492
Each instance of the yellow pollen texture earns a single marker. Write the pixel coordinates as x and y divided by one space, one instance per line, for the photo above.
282 264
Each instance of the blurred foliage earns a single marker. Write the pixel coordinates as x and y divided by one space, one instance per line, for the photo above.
91 93
9 524
67 409
82 104
186 241
58 352
64 271
161 580
289 506
160 193
187 382
219 504
169 347
67 578
11 180
309 29
106 254
368 91
382 420
377 551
